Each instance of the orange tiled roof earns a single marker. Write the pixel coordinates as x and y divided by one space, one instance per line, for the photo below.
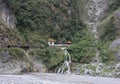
69 42
51 40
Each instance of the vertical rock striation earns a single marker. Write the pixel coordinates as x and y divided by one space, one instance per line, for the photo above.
6 16
96 12
8 33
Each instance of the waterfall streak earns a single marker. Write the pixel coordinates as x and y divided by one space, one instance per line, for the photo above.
66 64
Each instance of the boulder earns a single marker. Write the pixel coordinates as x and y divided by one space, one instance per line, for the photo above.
117 23
115 45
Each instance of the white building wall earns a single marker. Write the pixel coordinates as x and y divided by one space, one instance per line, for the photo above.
51 43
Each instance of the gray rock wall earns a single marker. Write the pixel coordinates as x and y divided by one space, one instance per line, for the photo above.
117 23
7 25
115 45
11 64
6 15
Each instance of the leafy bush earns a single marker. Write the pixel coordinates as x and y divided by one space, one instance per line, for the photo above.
51 57
49 16
63 20
84 50
115 5
107 30
106 54
15 53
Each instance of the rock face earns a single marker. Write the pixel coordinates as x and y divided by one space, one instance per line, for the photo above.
100 69
96 12
11 64
117 23
109 28
12 61
7 64
7 25
115 45
6 15
7 36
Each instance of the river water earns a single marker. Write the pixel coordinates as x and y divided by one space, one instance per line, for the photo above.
38 78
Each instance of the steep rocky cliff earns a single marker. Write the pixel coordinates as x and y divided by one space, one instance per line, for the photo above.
6 15
109 28
7 37
8 32
13 60
92 26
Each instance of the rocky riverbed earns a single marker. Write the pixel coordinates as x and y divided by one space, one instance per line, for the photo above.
37 78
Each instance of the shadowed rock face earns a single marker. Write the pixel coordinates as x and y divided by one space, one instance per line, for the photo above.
7 64
117 23
6 15
7 25
115 45
96 12
11 64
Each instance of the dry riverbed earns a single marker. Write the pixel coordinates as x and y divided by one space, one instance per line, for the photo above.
38 78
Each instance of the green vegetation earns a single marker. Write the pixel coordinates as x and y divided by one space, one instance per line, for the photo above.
84 48
107 30
62 20
115 4
107 34
47 18
51 57
106 54
15 53
10 36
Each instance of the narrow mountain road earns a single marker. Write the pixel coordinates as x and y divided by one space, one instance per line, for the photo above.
37 78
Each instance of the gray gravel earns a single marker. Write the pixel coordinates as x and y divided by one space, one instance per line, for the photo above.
38 78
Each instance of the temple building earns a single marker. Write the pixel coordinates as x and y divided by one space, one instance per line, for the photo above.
52 42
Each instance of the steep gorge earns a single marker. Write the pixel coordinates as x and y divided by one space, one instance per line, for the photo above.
95 13
6 15
90 25
12 60
107 52
8 33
